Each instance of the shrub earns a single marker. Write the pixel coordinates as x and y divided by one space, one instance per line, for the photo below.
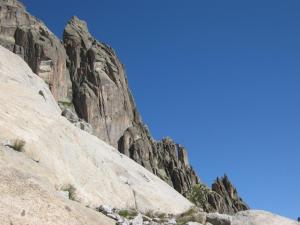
129 214
161 215
199 194
72 191
194 214
18 145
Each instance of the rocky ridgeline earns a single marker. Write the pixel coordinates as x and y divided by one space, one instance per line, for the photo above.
222 197
87 79
101 96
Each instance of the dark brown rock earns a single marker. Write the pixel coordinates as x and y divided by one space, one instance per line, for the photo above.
165 158
28 37
221 198
100 91
101 97
232 202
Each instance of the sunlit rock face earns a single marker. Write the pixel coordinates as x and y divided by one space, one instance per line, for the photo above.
102 97
89 82
100 90
56 154
28 37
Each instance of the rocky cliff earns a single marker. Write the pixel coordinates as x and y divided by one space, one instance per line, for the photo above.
28 37
230 201
86 76
43 151
101 96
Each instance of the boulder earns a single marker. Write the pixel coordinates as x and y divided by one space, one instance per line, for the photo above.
138 220
259 217
193 223
218 219
80 123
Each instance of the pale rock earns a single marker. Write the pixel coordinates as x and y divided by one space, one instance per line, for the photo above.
219 219
67 155
258 217
193 223
80 123
171 221
27 198
64 194
114 216
138 220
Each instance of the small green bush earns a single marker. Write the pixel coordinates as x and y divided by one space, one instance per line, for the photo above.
18 145
129 214
161 215
72 191
150 214
199 194
193 214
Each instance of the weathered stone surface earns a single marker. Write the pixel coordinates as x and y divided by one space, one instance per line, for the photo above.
103 99
218 219
165 158
58 155
100 93
100 90
170 163
28 37
222 197
258 217
193 223
230 202
138 220
80 123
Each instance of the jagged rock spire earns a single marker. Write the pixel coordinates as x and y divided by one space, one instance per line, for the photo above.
232 201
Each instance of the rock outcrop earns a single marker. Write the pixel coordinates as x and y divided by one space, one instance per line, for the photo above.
101 96
89 82
230 202
222 197
253 217
28 37
91 77
73 118
100 90
60 157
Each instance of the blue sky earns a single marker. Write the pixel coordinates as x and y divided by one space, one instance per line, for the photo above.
220 77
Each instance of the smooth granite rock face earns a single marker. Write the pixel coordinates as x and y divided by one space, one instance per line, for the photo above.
28 37
60 157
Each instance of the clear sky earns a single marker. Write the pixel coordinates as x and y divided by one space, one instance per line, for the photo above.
220 77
